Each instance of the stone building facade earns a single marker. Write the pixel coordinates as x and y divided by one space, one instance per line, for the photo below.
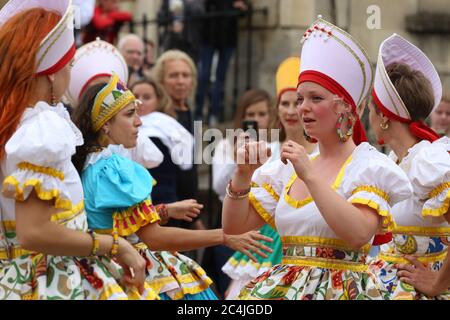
277 35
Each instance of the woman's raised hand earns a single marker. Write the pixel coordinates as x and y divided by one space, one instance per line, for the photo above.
297 155
251 156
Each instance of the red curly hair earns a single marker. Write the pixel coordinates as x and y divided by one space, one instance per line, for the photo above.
20 38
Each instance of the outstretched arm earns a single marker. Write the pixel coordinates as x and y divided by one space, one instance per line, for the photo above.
177 239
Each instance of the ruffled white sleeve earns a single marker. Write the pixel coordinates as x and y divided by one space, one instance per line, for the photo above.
146 153
430 177
179 141
267 187
373 180
37 155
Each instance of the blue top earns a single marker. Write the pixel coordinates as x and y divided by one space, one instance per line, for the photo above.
111 185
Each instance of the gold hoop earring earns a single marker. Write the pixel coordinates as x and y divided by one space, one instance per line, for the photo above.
384 126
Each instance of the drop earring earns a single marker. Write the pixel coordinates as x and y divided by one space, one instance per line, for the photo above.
53 97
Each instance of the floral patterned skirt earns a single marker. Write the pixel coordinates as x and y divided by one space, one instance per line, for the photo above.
430 250
316 273
44 277
173 274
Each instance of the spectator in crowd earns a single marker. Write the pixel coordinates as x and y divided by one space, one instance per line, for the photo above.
132 48
217 35
440 118
177 73
106 22
166 133
254 105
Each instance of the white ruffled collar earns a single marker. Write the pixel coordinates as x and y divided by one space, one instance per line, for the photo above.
412 152
61 111
106 153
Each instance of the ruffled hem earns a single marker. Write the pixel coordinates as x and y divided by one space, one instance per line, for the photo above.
237 270
191 279
439 202
21 183
378 201
44 277
132 219
106 153
265 215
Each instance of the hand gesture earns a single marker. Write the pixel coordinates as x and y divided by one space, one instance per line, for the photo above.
247 243
418 276
251 156
133 264
186 210
299 158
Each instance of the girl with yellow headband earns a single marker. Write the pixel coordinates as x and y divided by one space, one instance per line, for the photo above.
118 196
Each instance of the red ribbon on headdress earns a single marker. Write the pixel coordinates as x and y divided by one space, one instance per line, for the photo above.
417 128
359 134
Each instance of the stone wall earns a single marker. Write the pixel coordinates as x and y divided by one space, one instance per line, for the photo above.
278 35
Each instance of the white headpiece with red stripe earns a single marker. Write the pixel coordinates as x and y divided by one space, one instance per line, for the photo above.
396 49
333 59
92 61
331 52
58 47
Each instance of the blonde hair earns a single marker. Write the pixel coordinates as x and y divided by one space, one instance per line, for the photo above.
159 68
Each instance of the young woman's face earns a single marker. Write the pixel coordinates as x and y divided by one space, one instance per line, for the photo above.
287 111
440 118
258 112
123 127
317 110
147 95
178 79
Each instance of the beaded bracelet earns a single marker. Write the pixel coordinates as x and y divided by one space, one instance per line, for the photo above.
115 246
237 195
163 213
95 242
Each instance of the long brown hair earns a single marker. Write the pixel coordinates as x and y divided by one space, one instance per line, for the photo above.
20 38
82 119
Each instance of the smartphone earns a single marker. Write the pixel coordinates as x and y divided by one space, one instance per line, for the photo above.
251 128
